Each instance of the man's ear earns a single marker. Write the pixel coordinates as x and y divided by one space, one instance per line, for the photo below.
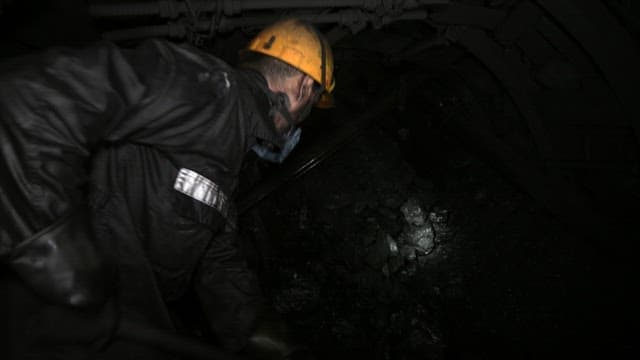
306 88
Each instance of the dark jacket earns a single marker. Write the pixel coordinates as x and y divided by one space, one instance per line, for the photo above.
130 158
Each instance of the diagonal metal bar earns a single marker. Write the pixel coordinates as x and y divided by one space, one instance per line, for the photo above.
317 153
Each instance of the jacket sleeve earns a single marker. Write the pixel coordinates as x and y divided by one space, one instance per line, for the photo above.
229 291
54 111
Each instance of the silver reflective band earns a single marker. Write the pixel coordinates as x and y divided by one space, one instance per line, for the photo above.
202 189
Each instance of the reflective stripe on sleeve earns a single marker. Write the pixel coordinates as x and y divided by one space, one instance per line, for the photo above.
202 189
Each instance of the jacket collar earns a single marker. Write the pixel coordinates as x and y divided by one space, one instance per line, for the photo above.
262 116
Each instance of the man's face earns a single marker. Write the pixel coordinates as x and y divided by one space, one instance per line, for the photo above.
283 126
303 111
301 101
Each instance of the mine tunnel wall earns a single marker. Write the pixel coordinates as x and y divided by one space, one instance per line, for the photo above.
544 93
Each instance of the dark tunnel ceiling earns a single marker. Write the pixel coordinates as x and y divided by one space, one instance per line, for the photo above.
545 90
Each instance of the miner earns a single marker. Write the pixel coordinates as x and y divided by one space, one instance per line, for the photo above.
118 174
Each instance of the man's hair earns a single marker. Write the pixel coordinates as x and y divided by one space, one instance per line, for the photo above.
270 67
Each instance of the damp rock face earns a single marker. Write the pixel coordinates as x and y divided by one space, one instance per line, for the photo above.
368 238
299 294
395 265
379 252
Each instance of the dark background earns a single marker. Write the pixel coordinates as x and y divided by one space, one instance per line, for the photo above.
513 124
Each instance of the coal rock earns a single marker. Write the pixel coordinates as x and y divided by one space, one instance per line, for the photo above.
439 216
421 237
413 212
380 251
301 294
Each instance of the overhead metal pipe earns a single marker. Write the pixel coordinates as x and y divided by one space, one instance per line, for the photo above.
173 30
173 9
344 17
162 8
366 4
353 19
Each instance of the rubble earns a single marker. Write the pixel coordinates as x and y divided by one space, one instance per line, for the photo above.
392 266
380 233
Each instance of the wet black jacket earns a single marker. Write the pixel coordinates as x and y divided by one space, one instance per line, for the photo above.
129 158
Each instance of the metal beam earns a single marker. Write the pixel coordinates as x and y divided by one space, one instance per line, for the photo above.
469 15
556 194
514 77
173 9
611 47
344 17
522 19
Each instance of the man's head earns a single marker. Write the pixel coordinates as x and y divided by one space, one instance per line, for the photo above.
296 60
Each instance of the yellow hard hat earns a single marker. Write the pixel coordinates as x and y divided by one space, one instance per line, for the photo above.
299 45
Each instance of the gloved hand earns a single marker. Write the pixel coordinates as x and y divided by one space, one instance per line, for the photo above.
272 340
62 264
89 326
